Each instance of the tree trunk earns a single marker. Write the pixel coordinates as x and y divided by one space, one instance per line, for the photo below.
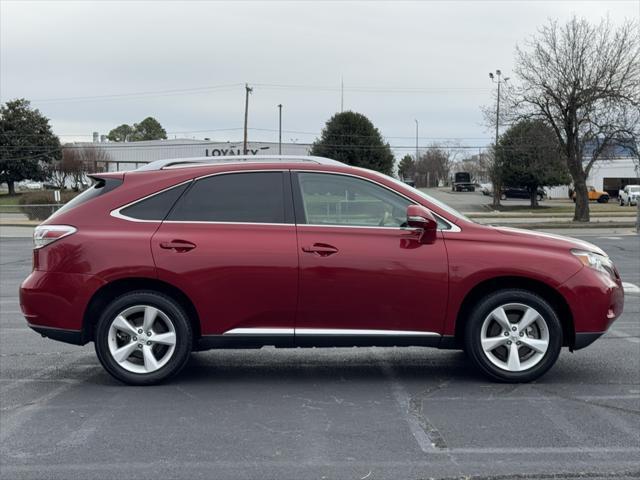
12 187
581 213
533 196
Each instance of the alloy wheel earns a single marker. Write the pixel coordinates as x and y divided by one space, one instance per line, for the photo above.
142 339
514 337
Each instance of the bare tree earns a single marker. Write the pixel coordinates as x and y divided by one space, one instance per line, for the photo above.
433 166
584 81
75 164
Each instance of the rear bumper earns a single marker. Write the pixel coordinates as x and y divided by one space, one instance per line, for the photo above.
63 335
54 303
585 339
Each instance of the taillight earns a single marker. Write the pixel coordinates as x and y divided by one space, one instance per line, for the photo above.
46 234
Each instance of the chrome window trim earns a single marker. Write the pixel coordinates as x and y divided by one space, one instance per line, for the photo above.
454 228
117 212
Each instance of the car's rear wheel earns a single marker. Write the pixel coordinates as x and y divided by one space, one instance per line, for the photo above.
513 336
143 338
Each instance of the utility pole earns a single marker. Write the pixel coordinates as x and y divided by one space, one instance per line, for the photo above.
246 117
416 139
280 129
341 94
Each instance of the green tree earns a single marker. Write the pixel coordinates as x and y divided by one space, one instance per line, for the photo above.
122 133
26 143
407 168
530 156
351 138
149 129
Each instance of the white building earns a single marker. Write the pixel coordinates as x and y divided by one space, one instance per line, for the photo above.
613 175
608 174
130 155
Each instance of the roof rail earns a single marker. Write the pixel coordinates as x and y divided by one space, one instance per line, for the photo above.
197 161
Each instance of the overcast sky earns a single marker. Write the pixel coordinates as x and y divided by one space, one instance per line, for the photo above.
185 63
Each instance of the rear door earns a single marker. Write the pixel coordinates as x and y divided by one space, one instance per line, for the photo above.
229 244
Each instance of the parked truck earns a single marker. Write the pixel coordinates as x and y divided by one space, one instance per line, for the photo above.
462 182
629 195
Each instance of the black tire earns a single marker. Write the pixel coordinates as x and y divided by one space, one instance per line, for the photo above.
603 199
503 196
473 327
540 197
173 311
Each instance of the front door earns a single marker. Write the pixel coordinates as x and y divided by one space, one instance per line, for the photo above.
364 277
230 245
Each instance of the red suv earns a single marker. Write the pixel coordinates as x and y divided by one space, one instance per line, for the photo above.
239 252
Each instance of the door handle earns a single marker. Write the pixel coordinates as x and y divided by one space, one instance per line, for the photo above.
178 245
321 249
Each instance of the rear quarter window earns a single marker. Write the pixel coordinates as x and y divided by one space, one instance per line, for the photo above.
100 187
156 206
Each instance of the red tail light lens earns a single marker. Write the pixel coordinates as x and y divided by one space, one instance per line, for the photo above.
46 234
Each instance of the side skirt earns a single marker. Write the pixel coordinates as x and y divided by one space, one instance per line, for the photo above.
287 338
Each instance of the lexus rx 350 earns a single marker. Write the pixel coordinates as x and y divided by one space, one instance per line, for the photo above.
192 254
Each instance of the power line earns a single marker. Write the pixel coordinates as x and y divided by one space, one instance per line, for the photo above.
326 88
115 96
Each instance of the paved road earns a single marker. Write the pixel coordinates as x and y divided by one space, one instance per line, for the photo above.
340 413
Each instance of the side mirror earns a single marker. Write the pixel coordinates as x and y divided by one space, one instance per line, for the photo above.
419 217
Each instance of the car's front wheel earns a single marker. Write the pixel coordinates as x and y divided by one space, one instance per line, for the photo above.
143 338
513 336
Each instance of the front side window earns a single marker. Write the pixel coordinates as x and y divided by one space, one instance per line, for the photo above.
329 199
255 197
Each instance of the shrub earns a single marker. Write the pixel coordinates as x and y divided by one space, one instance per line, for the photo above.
41 198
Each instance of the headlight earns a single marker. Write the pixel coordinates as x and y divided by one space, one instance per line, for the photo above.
596 261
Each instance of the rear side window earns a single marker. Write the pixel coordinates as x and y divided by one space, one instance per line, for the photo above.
155 207
100 187
256 197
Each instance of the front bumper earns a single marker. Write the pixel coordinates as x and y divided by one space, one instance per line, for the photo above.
596 301
54 303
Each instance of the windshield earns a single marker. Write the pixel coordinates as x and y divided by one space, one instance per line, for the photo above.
433 200
634 189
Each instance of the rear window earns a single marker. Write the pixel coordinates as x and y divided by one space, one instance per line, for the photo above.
235 197
100 187
155 207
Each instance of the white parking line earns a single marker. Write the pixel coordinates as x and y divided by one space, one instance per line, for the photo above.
630 287
623 336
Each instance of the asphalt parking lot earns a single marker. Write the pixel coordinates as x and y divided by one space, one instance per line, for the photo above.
368 413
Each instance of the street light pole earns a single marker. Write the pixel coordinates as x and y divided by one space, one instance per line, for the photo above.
497 187
280 129
497 78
